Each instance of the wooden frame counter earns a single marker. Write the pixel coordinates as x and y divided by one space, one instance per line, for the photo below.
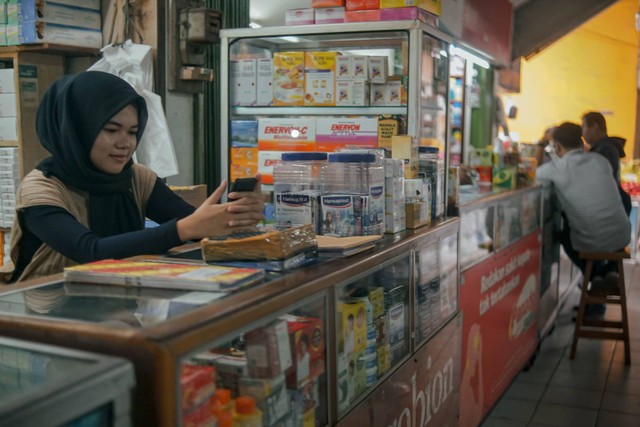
156 350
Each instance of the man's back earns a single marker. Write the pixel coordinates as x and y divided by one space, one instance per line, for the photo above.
587 192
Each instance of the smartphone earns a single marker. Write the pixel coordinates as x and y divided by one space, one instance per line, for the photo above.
242 185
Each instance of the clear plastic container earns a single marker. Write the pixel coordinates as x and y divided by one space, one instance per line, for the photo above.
297 188
357 179
431 168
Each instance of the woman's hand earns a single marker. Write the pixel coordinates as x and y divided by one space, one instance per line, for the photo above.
214 219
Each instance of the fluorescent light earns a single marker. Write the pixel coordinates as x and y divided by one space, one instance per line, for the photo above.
254 25
453 50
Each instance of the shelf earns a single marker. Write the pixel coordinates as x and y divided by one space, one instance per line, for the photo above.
50 48
8 143
317 111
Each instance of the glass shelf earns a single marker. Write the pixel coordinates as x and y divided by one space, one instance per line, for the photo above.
319 111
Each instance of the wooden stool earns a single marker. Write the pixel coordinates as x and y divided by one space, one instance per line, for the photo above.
614 297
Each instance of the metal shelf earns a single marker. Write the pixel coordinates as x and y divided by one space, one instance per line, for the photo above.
316 111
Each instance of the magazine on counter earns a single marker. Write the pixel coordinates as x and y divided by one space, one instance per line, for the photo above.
162 274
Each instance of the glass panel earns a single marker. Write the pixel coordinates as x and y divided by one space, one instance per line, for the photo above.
279 366
508 224
372 325
476 235
433 93
23 371
437 286
531 211
118 306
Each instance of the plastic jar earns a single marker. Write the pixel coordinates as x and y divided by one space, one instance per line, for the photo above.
359 179
246 413
297 188
431 168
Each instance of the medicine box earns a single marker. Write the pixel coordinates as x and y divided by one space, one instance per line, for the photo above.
352 327
3 35
268 350
299 16
84 4
405 147
41 32
362 4
264 81
3 13
243 82
266 161
433 6
288 78
330 15
326 3
362 15
306 335
285 134
320 78
378 69
338 132
8 129
7 81
11 11
244 133
12 31
352 93
39 10
8 105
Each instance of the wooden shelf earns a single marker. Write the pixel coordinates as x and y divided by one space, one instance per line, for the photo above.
8 143
49 48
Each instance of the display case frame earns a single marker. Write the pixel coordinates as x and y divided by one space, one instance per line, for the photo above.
156 350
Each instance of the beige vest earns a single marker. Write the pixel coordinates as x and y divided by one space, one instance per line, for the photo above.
37 190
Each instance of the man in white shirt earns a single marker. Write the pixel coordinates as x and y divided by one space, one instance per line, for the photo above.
587 192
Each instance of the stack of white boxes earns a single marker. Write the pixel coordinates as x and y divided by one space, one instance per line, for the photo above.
65 22
394 214
9 181
8 106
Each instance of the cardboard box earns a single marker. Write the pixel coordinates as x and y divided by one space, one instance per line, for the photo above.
362 4
286 134
12 31
352 93
418 214
7 81
3 13
505 178
405 147
244 133
8 106
326 3
480 157
388 126
433 6
42 10
288 78
11 11
268 350
271 397
320 78
85 4
242 171
378 69
299 16
306 335
8 129
362 16
40 32
338 132
352 327
192 194
3 35
243 82
264 82
330 15
244 156
266 161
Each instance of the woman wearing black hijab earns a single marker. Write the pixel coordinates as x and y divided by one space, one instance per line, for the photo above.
88 200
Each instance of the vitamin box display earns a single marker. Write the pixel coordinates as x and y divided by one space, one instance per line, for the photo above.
320 78
288 78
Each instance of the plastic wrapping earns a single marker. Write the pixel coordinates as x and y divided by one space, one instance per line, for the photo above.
269 245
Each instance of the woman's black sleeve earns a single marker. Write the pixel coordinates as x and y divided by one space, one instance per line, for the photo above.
59 229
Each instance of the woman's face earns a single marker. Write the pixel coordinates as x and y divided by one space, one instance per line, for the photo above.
116 142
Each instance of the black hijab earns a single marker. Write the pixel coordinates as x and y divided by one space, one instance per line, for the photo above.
71 114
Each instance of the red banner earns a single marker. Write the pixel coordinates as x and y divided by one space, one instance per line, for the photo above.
422 392
499 299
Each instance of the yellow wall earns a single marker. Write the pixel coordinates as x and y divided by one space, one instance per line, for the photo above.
592 68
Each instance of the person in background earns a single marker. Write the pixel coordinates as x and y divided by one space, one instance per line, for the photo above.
594 132
88 201
584 186
542 154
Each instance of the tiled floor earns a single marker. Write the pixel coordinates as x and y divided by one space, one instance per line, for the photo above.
595 389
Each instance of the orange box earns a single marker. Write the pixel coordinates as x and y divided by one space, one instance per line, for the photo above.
239 171
362 4
288 78
362 15
244 156
326 3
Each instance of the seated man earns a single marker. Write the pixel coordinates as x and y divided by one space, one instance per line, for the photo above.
586 190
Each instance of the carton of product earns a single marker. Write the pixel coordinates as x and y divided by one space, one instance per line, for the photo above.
264 82
243 82
286 134
320 78
299 16
288 78
329 15
338 132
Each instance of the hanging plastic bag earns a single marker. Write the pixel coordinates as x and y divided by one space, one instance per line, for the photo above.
133 63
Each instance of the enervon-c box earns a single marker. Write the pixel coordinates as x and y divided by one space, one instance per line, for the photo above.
285 134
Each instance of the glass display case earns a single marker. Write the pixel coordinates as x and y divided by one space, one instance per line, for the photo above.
44 385
280 351
332 86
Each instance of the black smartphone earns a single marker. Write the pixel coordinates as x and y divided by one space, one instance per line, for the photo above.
243 185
